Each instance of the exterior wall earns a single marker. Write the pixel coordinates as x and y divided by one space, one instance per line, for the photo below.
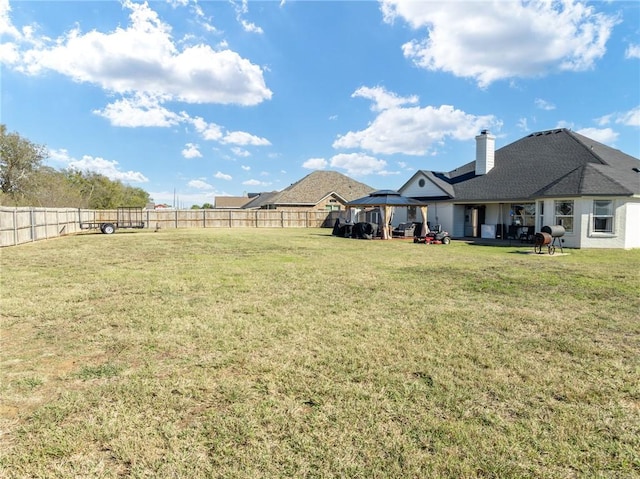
626 225
400 216
626 232
331 200
631 220
457 220
414 190
437 213
441 214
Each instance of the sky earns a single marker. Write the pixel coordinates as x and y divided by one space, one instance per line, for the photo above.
190 100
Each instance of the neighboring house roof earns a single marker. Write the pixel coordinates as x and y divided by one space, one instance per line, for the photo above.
260 200
554 163
231 201
315 187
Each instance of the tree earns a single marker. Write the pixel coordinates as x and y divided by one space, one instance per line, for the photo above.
51 188
19 160
25 182
100 192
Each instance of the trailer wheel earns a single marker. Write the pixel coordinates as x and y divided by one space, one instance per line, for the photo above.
446 240
108 228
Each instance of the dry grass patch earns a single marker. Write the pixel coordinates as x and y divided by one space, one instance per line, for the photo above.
291 353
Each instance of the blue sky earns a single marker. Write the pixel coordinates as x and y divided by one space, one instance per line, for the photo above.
195 99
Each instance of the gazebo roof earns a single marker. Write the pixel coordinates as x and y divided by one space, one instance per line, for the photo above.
385 198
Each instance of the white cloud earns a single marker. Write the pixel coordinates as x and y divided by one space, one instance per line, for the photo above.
414 130
209 131
245 167
382 99
544 104
358 164
88 163
178 3
633 51
141 110
6 27
200 185
243 138
250 27
523 125
627 118
242 8
222 176
143 59
191 151
255 183
603 135
315 164
240 152
490 41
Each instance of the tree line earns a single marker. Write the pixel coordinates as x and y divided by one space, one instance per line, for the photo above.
25 181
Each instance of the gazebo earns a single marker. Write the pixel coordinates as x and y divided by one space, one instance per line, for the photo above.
387 201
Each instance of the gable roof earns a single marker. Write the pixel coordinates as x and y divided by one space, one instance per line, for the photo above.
316 186
553 163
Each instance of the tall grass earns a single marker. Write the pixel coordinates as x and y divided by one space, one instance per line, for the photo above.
292 353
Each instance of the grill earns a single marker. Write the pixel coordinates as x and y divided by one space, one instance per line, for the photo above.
548 237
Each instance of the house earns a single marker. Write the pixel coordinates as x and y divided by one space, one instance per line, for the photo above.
555 177
318 191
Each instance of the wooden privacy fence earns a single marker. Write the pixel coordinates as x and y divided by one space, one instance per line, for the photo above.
26 224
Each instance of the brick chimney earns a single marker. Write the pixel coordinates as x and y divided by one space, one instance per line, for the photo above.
485 152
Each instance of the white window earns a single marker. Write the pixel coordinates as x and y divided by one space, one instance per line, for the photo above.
602 216
523 214
564 214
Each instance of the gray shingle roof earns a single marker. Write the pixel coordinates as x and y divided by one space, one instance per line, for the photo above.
551 163
385 198
260 200
311 189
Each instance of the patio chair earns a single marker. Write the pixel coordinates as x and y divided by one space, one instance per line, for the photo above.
404 230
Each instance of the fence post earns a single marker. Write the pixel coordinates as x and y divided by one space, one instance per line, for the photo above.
15 226
32 220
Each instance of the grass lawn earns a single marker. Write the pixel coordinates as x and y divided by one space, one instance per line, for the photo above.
253 353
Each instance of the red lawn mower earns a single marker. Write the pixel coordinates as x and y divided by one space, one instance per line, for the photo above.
434 236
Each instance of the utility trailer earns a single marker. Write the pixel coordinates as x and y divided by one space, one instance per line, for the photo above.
126 217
